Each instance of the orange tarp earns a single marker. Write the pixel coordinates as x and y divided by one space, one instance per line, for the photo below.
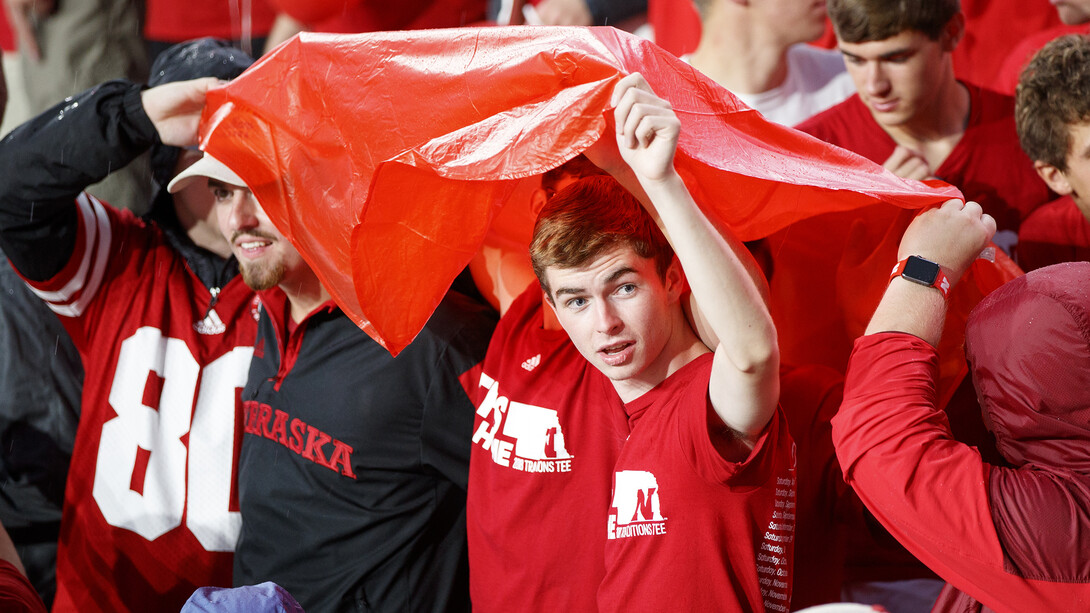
385 157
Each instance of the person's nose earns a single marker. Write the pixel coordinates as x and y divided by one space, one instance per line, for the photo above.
606 319
875 80
242 215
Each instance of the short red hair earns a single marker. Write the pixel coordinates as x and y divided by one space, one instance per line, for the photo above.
588 218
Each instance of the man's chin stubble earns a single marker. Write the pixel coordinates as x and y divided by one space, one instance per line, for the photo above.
259 278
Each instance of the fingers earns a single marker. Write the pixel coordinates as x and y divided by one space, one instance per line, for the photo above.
200 88
175 109
973 212
989 225
953 204
639 113
634 80
899 156
907 164
952 235
645 128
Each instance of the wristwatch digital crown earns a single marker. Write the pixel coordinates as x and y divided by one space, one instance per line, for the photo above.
922 271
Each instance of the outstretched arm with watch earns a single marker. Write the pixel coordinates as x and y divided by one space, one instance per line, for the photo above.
894 445
936 250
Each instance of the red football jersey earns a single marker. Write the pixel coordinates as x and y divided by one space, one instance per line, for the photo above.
151 509
548 429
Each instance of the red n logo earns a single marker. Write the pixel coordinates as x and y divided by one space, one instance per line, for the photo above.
644 511
550 443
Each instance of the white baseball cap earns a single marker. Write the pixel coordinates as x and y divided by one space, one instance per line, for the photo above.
206 167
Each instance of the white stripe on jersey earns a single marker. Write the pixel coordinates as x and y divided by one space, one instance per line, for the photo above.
96 226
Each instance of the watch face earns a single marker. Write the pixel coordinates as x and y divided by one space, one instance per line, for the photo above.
920 270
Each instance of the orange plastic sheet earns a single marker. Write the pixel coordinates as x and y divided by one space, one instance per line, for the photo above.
386 157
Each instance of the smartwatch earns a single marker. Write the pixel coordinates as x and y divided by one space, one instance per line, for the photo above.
922 271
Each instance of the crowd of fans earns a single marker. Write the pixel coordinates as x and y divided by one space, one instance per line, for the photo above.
634 410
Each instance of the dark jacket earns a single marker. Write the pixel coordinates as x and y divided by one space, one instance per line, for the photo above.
354 463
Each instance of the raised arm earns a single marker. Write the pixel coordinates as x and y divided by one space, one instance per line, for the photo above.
51 158
951 236
744 386
893 443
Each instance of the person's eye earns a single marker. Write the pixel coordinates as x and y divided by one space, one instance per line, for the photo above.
576 303
627 288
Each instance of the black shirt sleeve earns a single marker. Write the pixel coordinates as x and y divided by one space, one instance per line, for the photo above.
51 158
447 427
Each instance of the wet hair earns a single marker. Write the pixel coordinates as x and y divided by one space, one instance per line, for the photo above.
192 59
859 21
1053 93
588 218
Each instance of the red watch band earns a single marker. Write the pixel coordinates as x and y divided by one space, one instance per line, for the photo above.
940 282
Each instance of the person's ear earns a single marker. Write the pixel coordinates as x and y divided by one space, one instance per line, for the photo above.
953 32
1055 178
538 198
674 280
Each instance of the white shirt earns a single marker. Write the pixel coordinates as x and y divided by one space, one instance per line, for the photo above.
816 80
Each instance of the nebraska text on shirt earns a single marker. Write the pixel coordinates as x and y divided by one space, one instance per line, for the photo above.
305 440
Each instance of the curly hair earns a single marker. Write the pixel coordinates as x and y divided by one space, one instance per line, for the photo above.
1053 93
860 21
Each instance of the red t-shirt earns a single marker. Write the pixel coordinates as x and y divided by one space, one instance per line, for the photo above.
987 164
809 397
992 27
676 25
688 530
1057 232
173 21
1006 80
549 428
151 507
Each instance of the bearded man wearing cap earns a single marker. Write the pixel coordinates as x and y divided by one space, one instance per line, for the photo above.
354 464
165 331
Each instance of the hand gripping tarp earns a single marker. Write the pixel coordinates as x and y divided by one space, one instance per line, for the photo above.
385 157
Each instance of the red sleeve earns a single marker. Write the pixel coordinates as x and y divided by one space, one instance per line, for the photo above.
932 492
17 595
896 451
1053 233
701 430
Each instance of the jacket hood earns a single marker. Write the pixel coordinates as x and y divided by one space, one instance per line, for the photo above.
1028 344
202 57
